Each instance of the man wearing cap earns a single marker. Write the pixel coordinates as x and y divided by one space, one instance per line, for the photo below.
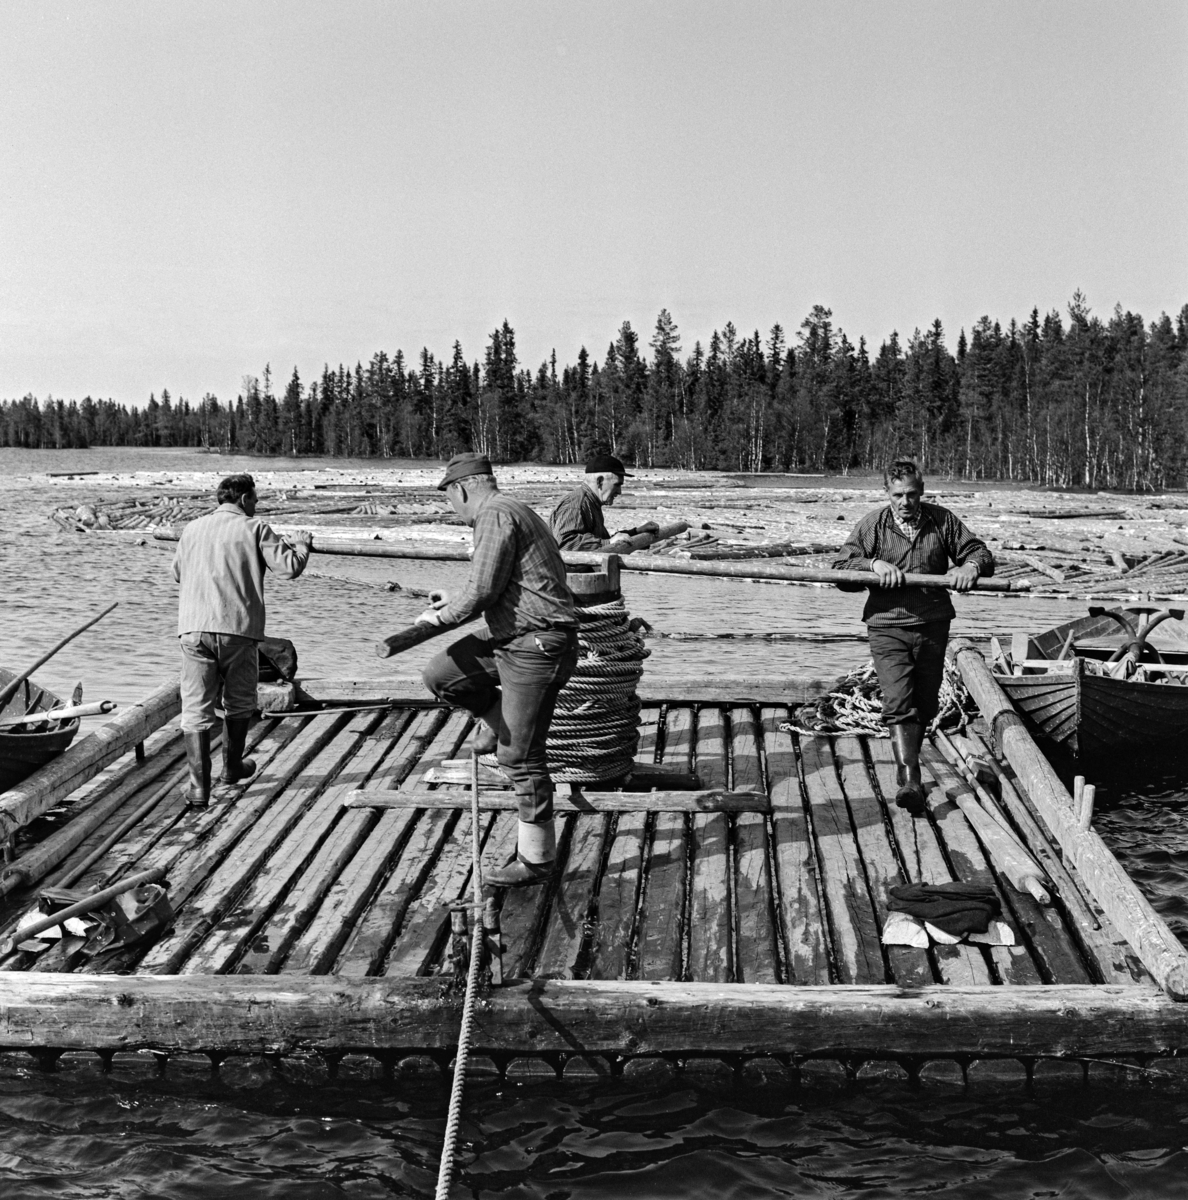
577 522
508 677
220 563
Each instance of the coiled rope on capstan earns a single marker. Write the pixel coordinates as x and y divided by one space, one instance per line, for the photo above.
856 706
594 734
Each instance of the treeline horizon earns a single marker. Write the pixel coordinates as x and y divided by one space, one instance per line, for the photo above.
1062 400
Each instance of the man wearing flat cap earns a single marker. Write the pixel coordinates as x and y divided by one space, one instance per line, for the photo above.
577 522
509 676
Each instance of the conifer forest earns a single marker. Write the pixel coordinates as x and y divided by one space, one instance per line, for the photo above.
1066 400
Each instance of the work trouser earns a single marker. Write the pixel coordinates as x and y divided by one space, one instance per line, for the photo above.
910 661
529 670
211 661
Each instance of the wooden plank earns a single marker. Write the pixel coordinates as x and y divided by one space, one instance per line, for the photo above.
427 917
714 800
970 864
1119 897
851 911
267 914
268 1014
652 689
909 966
917 848
756 958
617 894
203 904
662 913
522 913
566 930
798 898
711 952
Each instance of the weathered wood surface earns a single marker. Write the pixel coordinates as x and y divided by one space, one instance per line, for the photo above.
714 800
1158 948
273 1014
652 689
711 948
757 959
85 759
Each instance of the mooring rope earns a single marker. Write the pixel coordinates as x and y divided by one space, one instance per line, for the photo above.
856 706
595 730
445 1172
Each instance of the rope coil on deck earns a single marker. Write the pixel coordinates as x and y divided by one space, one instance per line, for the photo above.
595 730
856 706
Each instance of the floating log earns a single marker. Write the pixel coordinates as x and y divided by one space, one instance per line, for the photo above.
269 1014
1114 891
491 800
85 759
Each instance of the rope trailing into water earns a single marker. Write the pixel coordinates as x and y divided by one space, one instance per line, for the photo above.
856 706
445 1172
595 731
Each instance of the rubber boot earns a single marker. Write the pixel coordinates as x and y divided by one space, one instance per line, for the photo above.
905 742
236 769
486 734
197 745
536 856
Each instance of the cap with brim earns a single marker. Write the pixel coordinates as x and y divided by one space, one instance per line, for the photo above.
606 464
463 465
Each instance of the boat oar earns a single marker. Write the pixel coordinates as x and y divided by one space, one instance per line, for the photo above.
10 688
96 708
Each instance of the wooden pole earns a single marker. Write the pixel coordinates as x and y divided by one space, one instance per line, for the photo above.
657 564
96 708
1115 892
9 689
85 759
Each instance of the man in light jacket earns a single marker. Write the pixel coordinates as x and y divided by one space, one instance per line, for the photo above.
220 564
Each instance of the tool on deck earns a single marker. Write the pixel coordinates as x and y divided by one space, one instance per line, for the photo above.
9 690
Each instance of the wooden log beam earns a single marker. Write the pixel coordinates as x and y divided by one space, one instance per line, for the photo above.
252 1014
652 689
85 759
713 800
1115 892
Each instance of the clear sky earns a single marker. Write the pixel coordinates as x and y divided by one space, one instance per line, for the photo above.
191 190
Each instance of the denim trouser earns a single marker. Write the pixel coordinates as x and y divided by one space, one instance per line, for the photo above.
209 659
910 660
530 669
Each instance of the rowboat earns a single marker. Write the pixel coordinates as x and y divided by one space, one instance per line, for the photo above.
1102 682
24 748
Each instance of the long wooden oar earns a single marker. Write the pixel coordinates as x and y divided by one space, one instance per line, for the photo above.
96 708
9 689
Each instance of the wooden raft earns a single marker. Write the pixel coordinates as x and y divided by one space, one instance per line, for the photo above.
312 914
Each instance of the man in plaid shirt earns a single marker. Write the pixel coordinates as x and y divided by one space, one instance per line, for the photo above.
509 677
909 626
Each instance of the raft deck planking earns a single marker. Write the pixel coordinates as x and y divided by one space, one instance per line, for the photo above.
749 910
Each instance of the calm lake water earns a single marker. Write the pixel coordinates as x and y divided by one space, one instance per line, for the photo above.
76 1134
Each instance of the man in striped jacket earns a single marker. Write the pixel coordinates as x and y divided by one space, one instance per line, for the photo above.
220 564
909 626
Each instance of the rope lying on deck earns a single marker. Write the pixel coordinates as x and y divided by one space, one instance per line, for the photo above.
856 706
595 729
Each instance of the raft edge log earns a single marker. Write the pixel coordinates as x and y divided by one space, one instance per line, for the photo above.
1118 896
491 800
253 1014
86 758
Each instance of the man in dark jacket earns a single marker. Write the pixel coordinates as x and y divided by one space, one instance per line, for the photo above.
909 626
577 522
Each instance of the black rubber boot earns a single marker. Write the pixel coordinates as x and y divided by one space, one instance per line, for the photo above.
236 769
198 760
905 743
